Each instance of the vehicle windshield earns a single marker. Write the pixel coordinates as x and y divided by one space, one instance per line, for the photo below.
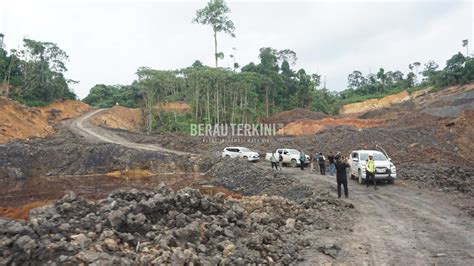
293 151
245 150
378 156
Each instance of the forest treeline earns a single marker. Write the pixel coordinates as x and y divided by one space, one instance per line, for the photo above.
34 75
220 95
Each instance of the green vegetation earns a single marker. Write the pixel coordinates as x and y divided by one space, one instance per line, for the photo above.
459 70
35 74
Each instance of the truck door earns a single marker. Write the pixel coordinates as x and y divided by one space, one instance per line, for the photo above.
354 163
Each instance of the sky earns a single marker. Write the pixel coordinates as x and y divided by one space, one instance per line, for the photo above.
107 41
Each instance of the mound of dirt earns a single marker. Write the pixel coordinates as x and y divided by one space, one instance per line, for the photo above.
249 179
296 114
22 122
451 105
119 117
372 104
308 127
446 178
60 110
167 227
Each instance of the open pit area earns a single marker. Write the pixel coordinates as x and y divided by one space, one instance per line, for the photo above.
84 186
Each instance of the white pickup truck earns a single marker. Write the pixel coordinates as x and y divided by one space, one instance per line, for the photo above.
384 168
290 156
240 152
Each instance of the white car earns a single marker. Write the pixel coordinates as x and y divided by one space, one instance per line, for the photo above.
290 156
384 168
240 152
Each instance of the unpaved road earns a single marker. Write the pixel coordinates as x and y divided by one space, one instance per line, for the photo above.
397 225
91 132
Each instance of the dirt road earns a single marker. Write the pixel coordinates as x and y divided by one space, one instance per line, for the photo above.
397 225
94 133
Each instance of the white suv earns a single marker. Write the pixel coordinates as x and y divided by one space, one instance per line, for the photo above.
240 152
384 168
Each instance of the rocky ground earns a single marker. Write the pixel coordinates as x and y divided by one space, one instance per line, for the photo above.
66 153
439 177
251 179
166 227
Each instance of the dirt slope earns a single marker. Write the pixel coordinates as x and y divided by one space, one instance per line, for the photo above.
372 104
308 127
21 122
119 117
290 116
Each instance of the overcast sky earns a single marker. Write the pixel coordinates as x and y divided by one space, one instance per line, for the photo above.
108 40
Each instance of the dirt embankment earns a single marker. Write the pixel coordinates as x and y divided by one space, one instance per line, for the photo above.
131 119
288 117
372 104
18 121
308 127
119 117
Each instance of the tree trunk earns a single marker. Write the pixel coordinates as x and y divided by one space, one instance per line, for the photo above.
208 106
266 99
215 46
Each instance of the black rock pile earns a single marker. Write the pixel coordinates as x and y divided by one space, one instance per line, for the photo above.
447 178
166 227
249 179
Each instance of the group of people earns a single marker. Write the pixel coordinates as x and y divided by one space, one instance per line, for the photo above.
337 164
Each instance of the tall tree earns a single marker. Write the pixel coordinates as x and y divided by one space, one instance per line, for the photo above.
215 15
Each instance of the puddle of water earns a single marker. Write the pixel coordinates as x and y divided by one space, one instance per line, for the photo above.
18 197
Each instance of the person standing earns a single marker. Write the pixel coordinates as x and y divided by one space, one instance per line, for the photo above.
331 164
302 160
280 161
341 166
322 163
370 171
273 159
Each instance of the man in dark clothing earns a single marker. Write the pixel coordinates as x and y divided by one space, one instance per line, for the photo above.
322 163
341 175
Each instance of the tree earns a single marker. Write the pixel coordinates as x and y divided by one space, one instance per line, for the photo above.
215 15
355 80
382 77
197 63
430 70
43 67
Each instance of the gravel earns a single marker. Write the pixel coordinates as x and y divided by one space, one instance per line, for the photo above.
251 179
167 227
446 178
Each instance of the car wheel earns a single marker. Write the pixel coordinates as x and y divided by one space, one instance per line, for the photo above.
245 157
227 156
391 181
360 178
293 162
